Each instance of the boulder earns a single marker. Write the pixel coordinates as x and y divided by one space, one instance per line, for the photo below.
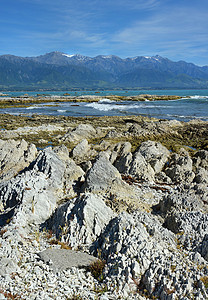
200 159
141 169
79 222
81 149
123 157
124 162
14 157
155 154
73 173
33 195
180 168
201 175
101 175
80 132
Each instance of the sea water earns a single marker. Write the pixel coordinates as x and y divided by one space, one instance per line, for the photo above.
185 109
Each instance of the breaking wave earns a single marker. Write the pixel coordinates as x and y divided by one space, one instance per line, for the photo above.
107 107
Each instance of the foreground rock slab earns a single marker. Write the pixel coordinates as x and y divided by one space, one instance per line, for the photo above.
62 259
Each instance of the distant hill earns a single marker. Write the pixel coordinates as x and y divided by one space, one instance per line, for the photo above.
58 71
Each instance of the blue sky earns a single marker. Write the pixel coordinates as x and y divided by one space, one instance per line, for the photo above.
176 29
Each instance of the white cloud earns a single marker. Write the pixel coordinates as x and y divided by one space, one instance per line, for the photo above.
179 32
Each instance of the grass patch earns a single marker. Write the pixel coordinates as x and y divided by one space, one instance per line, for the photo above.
96 269
204 279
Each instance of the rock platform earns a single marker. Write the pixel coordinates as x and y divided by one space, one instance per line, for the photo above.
103 208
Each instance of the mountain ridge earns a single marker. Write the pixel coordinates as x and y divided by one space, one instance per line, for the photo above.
59 70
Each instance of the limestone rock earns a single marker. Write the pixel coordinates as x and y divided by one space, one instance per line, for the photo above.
14 157
8 266
124 158
140 169
80 132
81 220
101 175
179 201
192 229
73 173
180 168
124 162
32 196
155 154
81 149
201 175
63 259
200 159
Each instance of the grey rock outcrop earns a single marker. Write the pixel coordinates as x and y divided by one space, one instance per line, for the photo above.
81 149
14 157
201 175
80 132
81 221
155 154
140 168
36 191
200 159
180 168
152 236
33 195
101 175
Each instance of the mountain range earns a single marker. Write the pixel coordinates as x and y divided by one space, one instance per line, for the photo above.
60 71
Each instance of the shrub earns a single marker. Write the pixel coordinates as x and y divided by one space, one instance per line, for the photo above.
96 268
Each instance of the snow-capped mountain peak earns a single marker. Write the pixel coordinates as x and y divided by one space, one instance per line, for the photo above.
68 55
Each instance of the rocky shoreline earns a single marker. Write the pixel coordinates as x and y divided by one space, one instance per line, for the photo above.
26 100
103 208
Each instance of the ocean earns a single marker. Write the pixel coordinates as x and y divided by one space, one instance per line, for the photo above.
185 109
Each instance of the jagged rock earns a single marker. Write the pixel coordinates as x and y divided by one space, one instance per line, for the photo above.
32 196
200 159
72 174
192 229
125 149
201 175
101 175
81 220
136 129
140 169
103 178
179 201
80 132
162 177
63 259
81 149
137 240
123 157
118 151
14 157
124 162
112 134
155 154
204 247
180 168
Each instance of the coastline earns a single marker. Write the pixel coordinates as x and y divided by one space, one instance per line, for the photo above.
25 100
